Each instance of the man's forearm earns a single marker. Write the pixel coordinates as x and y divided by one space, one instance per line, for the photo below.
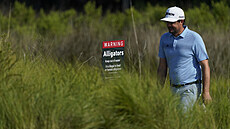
206 79
161 76
162 72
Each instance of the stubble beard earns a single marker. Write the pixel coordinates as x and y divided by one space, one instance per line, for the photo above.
172 30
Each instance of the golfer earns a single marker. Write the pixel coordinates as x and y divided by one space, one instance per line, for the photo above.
183 52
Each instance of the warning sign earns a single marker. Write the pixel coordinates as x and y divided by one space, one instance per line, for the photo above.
113 57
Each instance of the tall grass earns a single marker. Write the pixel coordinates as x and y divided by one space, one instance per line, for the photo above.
46 94
45 85
71 35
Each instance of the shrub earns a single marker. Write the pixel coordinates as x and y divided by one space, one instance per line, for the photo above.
55 23
154 14
3 23
23 18
116 22
201 18
221 13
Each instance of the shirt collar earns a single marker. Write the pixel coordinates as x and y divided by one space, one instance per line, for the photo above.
184 32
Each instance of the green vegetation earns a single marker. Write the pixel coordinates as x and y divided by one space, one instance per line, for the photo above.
70 35
45 85
45 94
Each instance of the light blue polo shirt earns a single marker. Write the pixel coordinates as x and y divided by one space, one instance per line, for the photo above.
183 54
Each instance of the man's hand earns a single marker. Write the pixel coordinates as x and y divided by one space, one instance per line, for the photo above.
206 98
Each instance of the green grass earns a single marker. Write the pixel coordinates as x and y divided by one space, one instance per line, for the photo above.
46 94
38 92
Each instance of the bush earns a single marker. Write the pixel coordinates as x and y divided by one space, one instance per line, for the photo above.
4 21
221 13
56 23
154 14
201 18
116 22
23 18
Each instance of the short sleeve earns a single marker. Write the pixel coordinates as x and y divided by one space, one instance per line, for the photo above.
161 53
199 49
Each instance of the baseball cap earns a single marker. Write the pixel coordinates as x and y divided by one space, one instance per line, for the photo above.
173 14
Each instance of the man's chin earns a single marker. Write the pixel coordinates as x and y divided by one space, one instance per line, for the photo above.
171 32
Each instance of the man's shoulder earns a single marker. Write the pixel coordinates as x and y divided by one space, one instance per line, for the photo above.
193 34
194 37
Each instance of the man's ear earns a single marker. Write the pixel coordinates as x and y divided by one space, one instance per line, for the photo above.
182 21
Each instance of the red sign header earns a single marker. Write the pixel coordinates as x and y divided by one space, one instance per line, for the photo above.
113 44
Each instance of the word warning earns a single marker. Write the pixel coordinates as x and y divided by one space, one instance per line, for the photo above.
113 57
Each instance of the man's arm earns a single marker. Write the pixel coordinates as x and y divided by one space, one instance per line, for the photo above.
162 72
206 81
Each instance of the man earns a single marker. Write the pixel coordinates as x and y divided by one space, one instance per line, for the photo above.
184 53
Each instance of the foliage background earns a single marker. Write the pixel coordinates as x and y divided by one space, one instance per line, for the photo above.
50 64
69 35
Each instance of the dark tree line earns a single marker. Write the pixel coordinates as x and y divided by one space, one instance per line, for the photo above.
113 5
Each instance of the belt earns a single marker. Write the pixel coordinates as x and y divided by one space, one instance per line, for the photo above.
181 85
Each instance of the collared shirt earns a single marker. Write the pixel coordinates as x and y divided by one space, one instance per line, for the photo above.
183 54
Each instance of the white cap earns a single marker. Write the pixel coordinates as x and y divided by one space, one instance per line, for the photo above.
173 14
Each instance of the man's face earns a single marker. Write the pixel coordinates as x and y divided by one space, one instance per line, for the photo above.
175 27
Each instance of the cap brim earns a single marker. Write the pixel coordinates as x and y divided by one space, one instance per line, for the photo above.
169 19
